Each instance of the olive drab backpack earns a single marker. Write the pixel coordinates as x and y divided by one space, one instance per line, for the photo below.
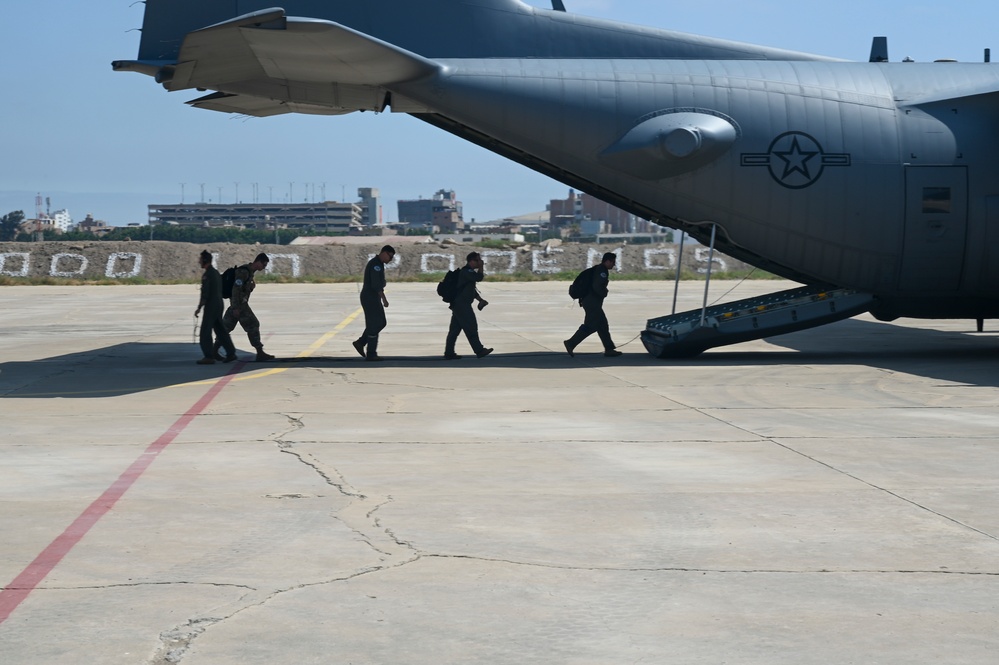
228 280
447 288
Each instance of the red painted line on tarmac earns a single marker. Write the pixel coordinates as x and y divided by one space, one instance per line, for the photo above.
14 593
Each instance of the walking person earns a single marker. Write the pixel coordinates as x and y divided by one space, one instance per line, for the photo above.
593 281
239 306
211 301
374 302
462 315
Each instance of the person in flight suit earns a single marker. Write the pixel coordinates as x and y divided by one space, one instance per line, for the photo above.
592 303
374 302
239 305
211 301
462 315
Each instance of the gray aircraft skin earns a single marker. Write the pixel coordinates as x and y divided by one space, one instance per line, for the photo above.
874 176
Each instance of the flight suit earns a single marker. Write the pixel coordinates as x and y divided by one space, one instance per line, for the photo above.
462 314
240 300
371 303
595 321
211 322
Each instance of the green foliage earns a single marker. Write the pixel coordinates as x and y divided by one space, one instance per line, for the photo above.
189 234
494 244
9 224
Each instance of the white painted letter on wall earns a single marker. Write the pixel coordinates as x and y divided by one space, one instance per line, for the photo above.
296 263
123 256
25 264
701 256
652 263
493 256
542 263
79 258
425 262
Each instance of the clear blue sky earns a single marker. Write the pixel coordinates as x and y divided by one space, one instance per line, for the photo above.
110 143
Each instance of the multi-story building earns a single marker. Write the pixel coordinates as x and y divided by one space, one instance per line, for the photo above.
62 220
580 207
91 225
322 216
371 206
442 211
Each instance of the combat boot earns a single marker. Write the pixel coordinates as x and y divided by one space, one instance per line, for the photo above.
573 342
263 356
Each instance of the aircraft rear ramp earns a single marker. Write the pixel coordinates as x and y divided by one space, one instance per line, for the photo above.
689 333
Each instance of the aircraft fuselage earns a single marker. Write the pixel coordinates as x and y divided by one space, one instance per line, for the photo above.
829 172
878 177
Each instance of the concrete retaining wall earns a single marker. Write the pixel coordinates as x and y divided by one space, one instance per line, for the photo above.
159 260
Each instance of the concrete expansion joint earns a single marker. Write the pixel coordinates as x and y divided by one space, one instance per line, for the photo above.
703 571
885 490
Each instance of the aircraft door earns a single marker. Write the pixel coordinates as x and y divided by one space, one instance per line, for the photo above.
936 221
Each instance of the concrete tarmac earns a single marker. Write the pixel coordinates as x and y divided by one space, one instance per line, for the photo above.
828 496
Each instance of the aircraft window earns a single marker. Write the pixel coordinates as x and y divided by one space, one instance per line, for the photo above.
936 200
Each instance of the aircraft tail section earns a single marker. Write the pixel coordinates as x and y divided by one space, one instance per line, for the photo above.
454 29
265 63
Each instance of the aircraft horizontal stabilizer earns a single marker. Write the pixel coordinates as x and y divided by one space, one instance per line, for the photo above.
989 90
325 67
257 106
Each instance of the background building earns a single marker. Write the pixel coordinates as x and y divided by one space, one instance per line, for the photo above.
371 206
95 226
325 216
443 211
62 220
579 208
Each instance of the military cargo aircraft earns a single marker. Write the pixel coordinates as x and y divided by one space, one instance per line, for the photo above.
872 183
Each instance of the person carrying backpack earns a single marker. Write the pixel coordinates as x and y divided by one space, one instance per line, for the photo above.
593 284
239 306
462 314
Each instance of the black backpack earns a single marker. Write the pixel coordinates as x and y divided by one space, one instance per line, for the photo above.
580 286
228 280
447 288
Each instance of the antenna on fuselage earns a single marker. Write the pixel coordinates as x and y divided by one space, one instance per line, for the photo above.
879 49
558 6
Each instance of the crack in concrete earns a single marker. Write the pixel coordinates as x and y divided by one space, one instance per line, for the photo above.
294 425
678 569
175 643
359 514
330 475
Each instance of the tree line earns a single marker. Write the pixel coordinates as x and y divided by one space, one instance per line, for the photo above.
10 222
